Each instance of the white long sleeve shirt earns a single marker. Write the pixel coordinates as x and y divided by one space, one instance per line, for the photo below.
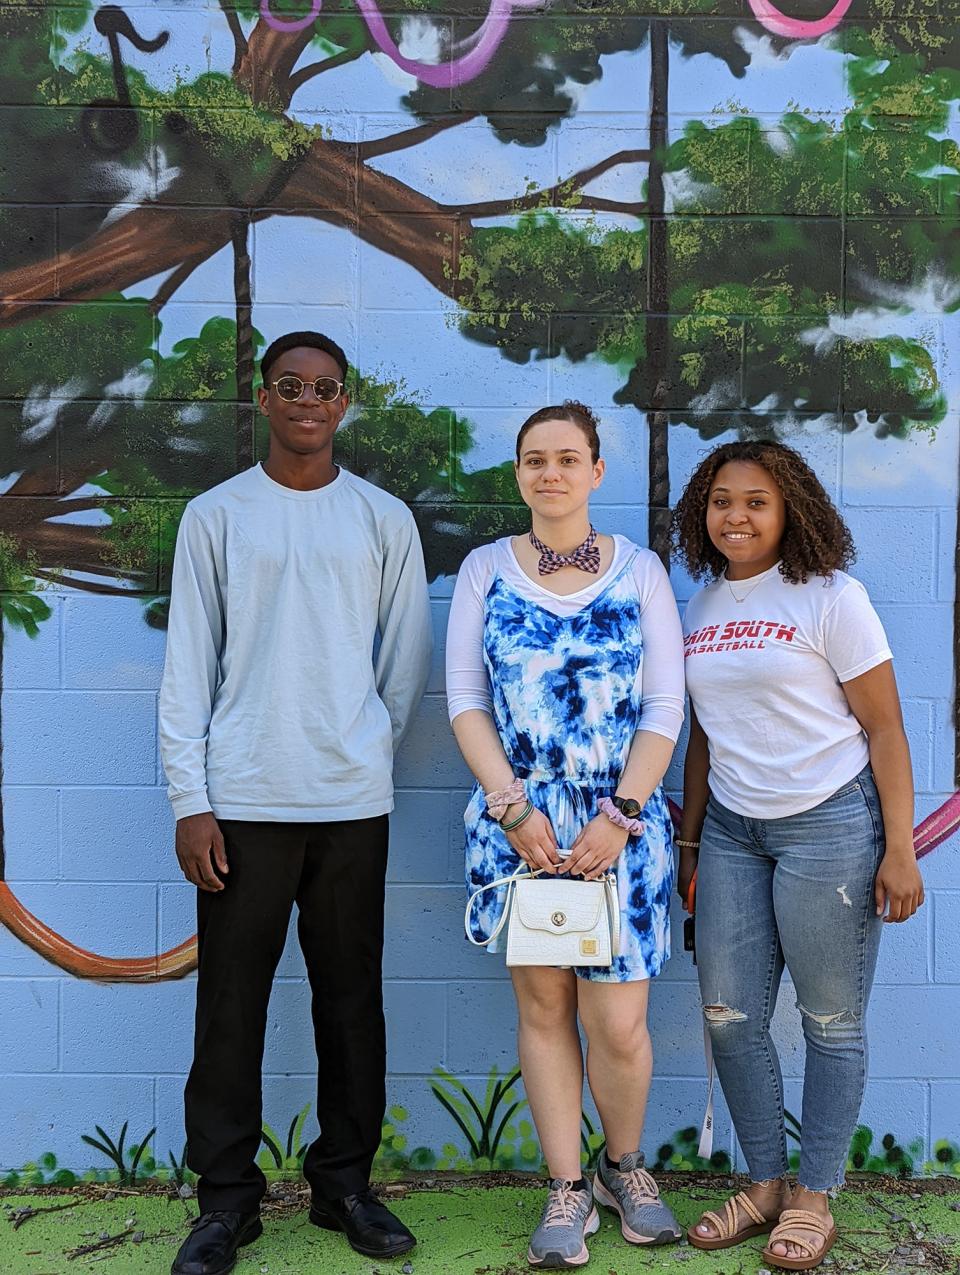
468 685
273 706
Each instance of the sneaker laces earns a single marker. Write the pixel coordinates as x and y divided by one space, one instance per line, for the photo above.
561 1204
641 1186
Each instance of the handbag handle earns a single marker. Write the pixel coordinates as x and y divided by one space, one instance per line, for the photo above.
509 882
613 907
608 879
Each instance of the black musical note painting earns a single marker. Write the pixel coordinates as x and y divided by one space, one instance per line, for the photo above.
110 125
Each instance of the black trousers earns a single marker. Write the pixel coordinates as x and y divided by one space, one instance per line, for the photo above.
335 874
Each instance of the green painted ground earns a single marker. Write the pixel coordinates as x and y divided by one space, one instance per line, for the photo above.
463 1230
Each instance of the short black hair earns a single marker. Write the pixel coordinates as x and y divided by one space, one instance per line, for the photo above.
295 341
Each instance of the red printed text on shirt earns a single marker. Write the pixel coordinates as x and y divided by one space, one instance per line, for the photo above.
737 635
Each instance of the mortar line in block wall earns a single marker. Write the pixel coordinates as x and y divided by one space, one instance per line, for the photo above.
92 787
99 881
932 935
59 822
312 1075
59 1025
61 631
83 690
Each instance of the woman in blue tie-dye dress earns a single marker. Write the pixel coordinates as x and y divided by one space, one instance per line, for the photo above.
565 690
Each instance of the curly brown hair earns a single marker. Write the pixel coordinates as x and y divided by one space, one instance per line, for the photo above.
816 540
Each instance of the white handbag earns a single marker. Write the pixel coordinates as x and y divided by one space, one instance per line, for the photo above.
556 921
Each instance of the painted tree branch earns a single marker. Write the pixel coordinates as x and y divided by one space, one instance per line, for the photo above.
266 68
401 221
84 586
236 30
71 546
310 72
148 241
559 196
593 203
42 481
173 281
53 947
153 240
412 136
391 216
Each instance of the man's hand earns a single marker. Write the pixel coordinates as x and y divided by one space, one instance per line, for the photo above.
200 846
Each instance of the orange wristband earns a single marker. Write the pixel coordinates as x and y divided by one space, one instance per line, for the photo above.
690 902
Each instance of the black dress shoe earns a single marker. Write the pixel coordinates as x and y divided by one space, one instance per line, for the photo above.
211 1247
370 1228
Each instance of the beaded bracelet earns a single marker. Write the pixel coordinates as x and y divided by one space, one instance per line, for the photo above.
515 823
686 845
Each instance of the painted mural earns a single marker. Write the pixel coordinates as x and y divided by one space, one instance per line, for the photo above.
708 218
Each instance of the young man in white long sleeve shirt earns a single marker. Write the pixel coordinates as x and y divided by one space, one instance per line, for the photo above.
277 728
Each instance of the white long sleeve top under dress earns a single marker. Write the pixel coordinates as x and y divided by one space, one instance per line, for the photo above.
272 705
662 669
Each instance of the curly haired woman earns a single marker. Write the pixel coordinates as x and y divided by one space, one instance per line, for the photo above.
798 818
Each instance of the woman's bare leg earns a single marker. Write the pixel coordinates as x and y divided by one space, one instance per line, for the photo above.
551 1061
619 1058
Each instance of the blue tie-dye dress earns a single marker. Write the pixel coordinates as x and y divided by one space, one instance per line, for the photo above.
567 693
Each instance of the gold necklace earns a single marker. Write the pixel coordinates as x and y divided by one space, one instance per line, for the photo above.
759 580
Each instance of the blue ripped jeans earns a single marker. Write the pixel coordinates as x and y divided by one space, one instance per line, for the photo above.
795 891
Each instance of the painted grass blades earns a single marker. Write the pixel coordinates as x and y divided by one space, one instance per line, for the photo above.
481 1123
126 1174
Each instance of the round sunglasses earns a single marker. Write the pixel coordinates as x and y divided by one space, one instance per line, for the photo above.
290 388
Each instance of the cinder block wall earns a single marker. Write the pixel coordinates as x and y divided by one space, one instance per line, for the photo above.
377 243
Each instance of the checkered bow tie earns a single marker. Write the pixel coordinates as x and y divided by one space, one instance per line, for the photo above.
585 556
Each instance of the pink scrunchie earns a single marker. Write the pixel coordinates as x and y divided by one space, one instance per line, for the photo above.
633 826
498 803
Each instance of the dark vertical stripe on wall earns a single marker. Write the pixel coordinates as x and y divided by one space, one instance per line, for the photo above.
658 324
3 852
240 237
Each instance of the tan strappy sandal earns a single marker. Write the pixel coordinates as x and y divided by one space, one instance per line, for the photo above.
789 1230
726 1226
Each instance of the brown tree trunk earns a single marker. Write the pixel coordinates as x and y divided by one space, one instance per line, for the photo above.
265 68
240 237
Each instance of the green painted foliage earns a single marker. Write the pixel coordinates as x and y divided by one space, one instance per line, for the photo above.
755 298
681 1154
553 284
20 605
127 1163
483 1122
284 1157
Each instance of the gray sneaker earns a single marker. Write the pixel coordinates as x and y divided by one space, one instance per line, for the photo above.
568 1217
632 1192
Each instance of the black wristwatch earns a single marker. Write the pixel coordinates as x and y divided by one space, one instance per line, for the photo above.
628 806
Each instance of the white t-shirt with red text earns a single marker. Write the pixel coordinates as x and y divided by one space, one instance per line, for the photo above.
764 675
